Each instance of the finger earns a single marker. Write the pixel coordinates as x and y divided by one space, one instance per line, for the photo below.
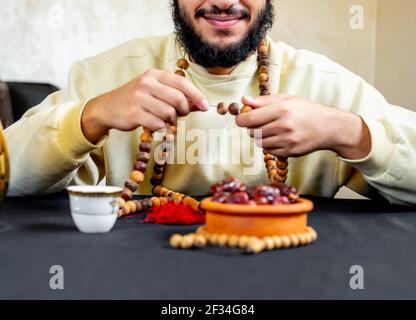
274 142
172 97
149 120
268 130
263 101
187 88
258 117
159 108
278 152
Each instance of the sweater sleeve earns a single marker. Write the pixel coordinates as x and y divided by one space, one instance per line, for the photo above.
47 147
390 167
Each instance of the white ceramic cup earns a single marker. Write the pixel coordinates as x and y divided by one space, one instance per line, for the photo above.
94 209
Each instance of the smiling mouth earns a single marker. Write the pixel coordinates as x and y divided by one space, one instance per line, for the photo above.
223 21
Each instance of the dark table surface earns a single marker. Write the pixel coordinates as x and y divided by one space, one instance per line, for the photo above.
135 261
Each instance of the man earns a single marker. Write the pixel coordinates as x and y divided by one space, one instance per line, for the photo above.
336 129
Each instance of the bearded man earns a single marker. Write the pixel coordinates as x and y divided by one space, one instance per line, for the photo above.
335 128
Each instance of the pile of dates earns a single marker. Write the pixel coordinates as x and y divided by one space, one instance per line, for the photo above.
233 191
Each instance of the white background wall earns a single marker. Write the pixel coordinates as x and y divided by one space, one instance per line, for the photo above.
40 39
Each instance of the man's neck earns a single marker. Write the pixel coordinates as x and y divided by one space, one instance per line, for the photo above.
221 71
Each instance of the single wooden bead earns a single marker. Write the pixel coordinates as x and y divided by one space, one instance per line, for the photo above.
264 69
256 246
139 206
155 201
308 238
243 242
187 242
264 86
277 242
213 239
180 73
279 179
132 206
222 109
158 169
282 165
131 185
264 62
126 194
145 147
175 241
147 130
183 63
143 205
146 137
148 203
191 202
121 202
246 109
234 109
125 209
163 201
222 240
155 182
200 241
264 92
137 176
233 241
263 77
285 241
140 166
159 176
143 157
263 50
294 239
268 241
313 234
302 239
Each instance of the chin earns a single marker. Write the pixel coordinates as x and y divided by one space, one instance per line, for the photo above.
222 41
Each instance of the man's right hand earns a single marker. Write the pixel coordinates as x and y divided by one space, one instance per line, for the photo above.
151 100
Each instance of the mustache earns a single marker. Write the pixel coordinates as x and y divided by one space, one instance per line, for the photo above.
215 11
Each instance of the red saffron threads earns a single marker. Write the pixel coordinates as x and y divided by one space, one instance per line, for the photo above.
177 214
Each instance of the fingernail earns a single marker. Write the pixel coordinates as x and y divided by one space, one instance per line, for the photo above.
204 104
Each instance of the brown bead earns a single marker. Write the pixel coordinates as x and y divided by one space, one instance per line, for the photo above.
264 86
137 176
222 109
263 50
158 169
147 130
145 147
246 109
264 92
131 185
234 109
200 241
163 201
175 241
264 62
140 166
263 77
155 182
264 69
180 73
124 210
148 203
282 164
158 176
183 64
143 157
126 195
139 206
146 137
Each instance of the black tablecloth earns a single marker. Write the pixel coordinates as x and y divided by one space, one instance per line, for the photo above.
135 261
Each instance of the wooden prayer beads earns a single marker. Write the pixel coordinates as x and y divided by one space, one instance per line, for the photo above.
254 245
277 168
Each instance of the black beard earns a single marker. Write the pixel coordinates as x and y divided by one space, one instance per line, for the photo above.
209 55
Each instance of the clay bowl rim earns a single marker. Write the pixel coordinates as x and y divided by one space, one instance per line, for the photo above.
301 206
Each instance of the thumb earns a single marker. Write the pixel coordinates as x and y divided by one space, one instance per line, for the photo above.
263 101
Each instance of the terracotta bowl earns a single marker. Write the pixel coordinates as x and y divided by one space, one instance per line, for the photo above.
257 221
